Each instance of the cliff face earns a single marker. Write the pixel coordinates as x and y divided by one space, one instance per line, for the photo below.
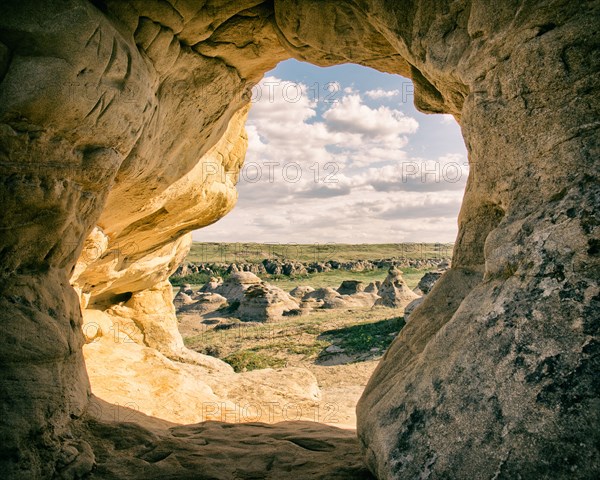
121 130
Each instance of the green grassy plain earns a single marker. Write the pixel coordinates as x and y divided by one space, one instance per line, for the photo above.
205 252
257 252
361 333
331 279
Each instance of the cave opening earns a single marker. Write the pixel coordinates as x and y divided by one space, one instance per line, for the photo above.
343 180
341 155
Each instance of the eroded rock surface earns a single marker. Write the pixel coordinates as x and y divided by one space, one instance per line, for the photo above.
394 292
424 286
329 298
301 290
265 303
222 450
203 303
121 122
427 282
350 287
123 372
234 288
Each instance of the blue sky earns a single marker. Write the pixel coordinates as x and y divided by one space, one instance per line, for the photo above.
340 154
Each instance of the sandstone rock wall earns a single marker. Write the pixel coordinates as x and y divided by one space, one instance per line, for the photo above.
111 113
113 128
493 374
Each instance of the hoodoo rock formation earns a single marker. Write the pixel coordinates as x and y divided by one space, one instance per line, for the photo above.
394 292
121 130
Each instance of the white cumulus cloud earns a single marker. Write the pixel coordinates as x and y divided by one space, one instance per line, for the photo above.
339 176
353 116
380 93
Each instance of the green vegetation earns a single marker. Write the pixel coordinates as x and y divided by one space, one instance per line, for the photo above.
291 347
331 279
334 278
360 334
300 341
318 252
257 252
192 279
246 360
361 338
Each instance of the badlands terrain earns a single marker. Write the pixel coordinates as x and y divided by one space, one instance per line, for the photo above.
336 332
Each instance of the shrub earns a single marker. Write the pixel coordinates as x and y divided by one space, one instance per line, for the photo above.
362 337
212 350
246 360
192 279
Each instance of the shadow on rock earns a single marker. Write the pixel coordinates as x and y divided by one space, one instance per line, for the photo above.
358 343
150 449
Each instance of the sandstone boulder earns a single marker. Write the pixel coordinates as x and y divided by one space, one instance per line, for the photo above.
182 299
265 303
328 298
203 303
300 291
394 292
411 306
293 269
212 285
423 288
349 287
444 264
272 267
427 282
234 287
146 381
356 300
317 298
183 296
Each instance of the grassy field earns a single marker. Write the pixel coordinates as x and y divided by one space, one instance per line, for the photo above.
358 334
256 252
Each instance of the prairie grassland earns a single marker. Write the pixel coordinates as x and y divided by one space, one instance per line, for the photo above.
205 252
340 347
359 335
331 279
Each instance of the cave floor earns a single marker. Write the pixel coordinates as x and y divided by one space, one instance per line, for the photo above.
224 451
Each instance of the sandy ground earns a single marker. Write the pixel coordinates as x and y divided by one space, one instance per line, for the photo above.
340 377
